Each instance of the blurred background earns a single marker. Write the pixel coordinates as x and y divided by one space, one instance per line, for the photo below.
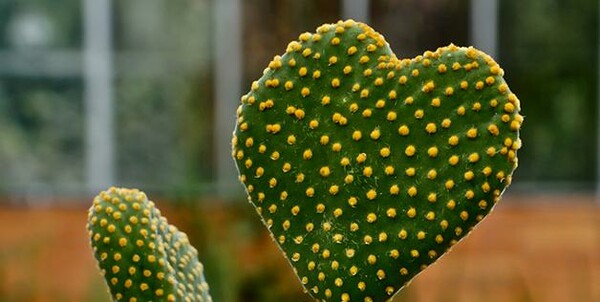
143 93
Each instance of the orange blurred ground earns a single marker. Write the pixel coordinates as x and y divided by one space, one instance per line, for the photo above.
531 249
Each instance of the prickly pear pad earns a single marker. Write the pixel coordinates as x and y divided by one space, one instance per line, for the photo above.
367 168
142 256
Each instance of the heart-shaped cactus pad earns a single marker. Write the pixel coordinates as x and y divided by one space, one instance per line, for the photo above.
142 256
367 168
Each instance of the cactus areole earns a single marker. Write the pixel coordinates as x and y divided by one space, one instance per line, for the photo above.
367 168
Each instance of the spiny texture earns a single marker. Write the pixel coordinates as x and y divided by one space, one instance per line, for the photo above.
366 168
142 256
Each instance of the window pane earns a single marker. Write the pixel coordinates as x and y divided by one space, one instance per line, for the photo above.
270 24
163 94
41 137
41 106
412 27
39 23
549 52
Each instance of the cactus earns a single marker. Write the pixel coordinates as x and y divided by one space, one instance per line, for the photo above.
142 256
366 168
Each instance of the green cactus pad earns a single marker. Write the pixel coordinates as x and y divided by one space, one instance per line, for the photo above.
142 256
367 168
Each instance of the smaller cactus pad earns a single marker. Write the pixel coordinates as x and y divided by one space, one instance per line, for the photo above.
142 256
367 168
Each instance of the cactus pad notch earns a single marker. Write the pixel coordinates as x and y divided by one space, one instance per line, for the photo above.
142 256
366 168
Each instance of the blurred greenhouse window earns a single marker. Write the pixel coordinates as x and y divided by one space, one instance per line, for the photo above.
174 71
163 94
41 103
549 50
